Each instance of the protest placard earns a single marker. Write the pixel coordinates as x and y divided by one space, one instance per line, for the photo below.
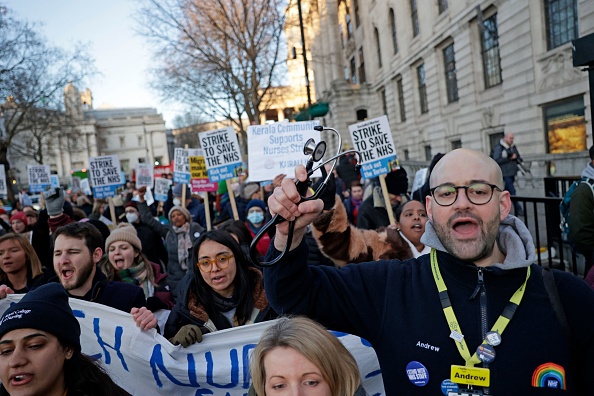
39 178
162 186
55 181
222 154
105 175
275 149
420 179
144 175
373 139
145 363
181 168
198 173
3 185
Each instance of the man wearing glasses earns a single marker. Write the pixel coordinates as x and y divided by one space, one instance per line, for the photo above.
473 317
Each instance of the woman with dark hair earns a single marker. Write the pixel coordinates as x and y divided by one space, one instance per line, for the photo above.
20 268
222 290
40 351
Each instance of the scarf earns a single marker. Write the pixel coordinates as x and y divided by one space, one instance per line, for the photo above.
136 275
184 243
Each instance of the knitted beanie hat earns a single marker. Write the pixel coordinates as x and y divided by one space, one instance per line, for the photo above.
45 308
255 202
397 182
20 216
183 210
124 232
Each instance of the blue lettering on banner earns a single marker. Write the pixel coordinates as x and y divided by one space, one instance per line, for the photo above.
157 364
78 313
119 330
234 370
246 364
364 342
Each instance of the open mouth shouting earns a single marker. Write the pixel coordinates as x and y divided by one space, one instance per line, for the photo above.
20 379
465 227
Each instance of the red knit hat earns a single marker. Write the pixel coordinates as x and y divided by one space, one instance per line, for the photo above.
19 216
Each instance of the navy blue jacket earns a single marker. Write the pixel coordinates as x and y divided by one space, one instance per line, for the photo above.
396 307
118 295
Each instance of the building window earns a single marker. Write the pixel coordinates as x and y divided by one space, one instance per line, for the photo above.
349 25
141 160
122 141
361 115
566 126
383 103
562 22
494 140
125 164
450 73
347 74
379 48
400 90
139 140
271 115
442 5
456 144
158 160
428 155
361 66
287 113
415 17
353 71
490 52
422 89
406 155
357 15
393 27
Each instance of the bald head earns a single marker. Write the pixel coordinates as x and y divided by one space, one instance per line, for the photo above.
463 161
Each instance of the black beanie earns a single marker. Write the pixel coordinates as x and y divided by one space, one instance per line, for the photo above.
397 182
45 308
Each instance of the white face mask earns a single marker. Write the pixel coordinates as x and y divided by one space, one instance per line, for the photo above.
176 202
131 217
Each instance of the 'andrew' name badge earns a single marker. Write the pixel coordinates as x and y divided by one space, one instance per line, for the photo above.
476 376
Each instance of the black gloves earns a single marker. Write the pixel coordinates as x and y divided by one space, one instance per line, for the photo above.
187 335
54 202
328 196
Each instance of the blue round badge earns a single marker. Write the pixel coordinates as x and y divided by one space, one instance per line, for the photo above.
448 386
417 373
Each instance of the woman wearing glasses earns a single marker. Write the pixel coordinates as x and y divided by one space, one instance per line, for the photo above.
222 290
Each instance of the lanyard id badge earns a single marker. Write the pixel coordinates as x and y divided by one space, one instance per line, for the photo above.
467 375
466 392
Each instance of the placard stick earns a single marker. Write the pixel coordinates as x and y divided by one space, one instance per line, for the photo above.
42 200
232 199
382 179
183 197
114 220
207 211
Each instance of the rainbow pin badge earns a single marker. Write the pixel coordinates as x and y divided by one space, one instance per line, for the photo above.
549 375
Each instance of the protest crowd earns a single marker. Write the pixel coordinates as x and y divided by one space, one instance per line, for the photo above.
426 279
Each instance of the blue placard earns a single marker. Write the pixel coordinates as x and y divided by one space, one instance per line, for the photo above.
181 177
55 181
224 172
105 191
35 188
380 167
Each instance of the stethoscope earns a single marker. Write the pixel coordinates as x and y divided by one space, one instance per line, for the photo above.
315 153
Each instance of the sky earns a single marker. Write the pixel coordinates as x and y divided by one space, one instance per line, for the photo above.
121 56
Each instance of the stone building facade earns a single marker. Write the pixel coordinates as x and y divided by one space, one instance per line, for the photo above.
452 74
134 134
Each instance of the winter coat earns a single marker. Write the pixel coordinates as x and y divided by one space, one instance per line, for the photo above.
372 212
398 309
174 269
502 153
182 314
343 243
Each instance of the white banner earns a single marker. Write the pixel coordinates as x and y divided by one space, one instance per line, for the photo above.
39 177
3 188
145 363
275 149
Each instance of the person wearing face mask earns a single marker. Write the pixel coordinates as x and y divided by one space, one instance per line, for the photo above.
192 204
152 244
256 213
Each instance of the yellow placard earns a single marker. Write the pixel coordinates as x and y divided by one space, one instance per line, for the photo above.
477 376
197 167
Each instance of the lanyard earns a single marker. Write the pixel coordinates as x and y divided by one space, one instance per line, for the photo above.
500 324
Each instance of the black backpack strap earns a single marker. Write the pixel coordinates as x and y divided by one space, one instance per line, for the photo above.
551 288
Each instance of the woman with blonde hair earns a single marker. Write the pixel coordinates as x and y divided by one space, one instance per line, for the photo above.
20 267
297 353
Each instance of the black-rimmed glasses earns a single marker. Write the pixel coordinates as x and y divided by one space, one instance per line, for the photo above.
477 193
